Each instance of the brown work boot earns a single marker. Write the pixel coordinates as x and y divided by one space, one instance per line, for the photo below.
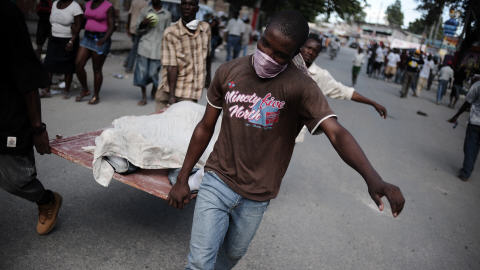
47 214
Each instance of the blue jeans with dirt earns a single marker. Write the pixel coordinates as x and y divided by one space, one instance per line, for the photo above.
470 150
224 224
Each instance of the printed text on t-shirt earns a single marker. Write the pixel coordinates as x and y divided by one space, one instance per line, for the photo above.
261 112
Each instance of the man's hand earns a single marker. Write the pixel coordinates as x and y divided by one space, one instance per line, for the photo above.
172 100
146 22
69 46
179 194
41 143
381 110
394 196
101 41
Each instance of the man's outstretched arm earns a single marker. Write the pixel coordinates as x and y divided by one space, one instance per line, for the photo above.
462 109
180 192
361 99
352 154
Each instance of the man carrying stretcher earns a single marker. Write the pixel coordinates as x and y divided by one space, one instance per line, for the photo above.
265 101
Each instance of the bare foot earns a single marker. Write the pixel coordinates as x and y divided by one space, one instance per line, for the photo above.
94 100
83 94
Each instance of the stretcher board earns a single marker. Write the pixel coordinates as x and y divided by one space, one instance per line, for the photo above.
154 182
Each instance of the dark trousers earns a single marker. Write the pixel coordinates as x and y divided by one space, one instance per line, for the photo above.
470 149
430 80
18 175
409 78
355 71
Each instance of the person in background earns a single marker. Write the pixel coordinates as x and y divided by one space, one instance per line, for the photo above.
433 73
44 27
392 61
185 58
21 126
424 74
150 29
401 65
371 59
253 150
247 34
358 60
411 71
458 77
66 20
329 86
135 8
471 144
445 76
234 31
95 44
216 38
379 60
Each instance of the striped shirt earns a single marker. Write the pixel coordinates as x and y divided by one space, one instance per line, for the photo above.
187 51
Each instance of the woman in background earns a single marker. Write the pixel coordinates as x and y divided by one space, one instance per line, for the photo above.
96 43
62 46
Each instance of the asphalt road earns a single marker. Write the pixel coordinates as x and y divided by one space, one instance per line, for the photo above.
323 217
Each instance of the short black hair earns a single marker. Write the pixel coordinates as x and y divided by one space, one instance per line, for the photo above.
315 37
292 24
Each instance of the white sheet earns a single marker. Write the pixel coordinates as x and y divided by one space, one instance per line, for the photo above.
156 141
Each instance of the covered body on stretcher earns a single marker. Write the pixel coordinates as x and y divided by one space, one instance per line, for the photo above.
155 143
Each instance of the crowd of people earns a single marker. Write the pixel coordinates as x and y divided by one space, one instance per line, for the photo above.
60 22
415 70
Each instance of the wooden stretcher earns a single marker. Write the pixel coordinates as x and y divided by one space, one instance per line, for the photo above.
154 182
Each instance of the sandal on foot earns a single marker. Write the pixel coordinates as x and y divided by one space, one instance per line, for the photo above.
83 94
66 95
142 102
94 100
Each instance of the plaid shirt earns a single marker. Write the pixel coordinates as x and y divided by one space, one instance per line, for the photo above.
187 51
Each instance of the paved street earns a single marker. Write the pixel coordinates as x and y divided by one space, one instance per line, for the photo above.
323 217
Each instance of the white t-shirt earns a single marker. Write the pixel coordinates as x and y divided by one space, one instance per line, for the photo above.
358 59
235 27
393 59
425 72
380 55
329 86
62 19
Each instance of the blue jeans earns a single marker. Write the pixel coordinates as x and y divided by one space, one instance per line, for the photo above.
224 224
244 50
132 55
442 88
470 149
235 43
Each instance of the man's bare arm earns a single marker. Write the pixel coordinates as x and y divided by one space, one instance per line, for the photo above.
172 75
352 154
361 99
180 192
34 111
462 109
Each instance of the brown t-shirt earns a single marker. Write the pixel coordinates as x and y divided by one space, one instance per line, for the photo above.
261 118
